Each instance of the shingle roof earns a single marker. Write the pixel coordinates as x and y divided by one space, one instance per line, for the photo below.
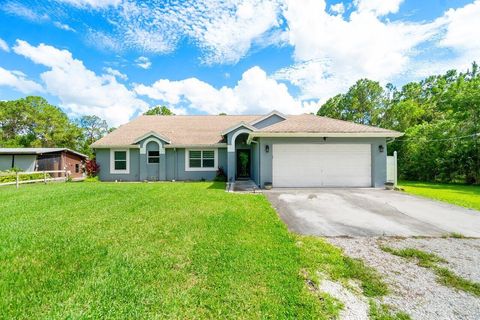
207 130
37 151
181 130
309 123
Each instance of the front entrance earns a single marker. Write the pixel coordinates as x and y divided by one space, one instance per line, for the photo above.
243 163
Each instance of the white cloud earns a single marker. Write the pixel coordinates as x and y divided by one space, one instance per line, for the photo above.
224 30
255 93
19 10
63 26
462 31
103 41
115 73
4 46
332 52
18 80
79 89
337 8
227 33
143 62
92 3
378 7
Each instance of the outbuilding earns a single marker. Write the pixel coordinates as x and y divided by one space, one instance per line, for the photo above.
43 159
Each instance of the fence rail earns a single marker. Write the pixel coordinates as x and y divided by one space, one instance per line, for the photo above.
46 177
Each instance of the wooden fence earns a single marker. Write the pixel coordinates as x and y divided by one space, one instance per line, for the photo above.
47 176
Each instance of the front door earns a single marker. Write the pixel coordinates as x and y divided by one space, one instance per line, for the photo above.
243 163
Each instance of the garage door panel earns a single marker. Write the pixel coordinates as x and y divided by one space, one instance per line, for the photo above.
321 165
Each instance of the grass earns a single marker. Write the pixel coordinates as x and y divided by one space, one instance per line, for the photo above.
159 250
432 261
316 254
458 194
384 312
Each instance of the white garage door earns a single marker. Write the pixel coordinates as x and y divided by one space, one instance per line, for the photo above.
322 165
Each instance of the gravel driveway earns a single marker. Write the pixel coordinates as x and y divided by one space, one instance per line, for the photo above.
414 289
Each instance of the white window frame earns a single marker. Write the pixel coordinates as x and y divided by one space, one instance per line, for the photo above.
187 160
112 162
153 157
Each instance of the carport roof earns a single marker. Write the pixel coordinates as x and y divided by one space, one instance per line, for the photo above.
37 151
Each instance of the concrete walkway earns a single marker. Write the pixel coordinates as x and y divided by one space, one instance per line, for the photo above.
370 212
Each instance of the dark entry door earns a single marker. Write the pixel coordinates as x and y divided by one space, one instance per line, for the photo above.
243 163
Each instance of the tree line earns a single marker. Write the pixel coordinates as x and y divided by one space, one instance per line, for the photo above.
34 122
440 118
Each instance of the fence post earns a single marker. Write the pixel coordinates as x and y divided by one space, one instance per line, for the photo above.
17 176
395 169
45 177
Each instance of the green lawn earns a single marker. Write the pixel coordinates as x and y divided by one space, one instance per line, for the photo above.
159 250
461 195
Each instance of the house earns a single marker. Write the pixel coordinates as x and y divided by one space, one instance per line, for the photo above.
286 150
43 159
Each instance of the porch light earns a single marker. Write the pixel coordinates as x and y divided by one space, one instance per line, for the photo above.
267 148
381 148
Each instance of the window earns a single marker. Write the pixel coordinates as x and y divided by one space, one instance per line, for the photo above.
119 161
153 156
201 160
77 167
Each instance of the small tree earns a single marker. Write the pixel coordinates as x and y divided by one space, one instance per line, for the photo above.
159 111
92 168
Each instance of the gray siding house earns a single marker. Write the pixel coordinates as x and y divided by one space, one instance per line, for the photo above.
285 150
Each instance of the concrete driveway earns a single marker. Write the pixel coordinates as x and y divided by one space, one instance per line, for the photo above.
370 212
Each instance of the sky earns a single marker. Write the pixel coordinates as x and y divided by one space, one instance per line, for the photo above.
117 58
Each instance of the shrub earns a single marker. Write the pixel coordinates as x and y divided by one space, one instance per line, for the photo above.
221 176
11 177
92 168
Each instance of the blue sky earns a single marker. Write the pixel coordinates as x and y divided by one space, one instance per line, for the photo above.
116 58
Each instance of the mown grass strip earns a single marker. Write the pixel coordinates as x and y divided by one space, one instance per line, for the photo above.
431 261
458 194
385 312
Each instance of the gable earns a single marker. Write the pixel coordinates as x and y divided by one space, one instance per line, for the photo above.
270 120
152 134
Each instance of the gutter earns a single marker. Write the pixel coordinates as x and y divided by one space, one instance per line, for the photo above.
322 134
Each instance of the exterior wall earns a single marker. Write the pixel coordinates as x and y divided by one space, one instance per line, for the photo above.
379 159
172 162
71 160
255 163
153 169
175 160
151 143
268 121
103 159
26 162
5 162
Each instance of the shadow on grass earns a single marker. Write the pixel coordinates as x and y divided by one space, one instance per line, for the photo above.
217 185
